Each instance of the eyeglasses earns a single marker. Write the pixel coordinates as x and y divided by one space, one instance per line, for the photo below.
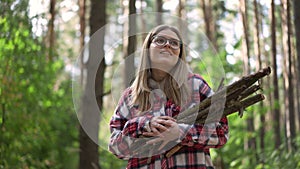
162 41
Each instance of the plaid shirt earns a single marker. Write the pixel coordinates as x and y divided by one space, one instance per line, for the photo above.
126 129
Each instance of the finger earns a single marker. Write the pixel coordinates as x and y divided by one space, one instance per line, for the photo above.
167 118
161 128
157 128
149 134
168 123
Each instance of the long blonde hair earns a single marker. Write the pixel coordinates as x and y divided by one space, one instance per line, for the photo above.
175 86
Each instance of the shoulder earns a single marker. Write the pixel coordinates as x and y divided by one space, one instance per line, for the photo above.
198 84
197 79
126 95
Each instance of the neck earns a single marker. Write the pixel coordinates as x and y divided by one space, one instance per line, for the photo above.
158 75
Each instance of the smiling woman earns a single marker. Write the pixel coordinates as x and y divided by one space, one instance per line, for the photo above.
147 110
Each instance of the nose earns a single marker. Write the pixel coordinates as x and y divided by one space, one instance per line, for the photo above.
167 43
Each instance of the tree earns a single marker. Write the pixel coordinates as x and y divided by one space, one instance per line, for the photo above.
89 156
251 143
129 55
210 22
288 76
257 52
51 33
159 10
296 11
276 108
82 11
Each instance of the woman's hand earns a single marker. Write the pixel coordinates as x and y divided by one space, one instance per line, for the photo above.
164 128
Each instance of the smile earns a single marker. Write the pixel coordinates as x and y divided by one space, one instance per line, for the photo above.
165 52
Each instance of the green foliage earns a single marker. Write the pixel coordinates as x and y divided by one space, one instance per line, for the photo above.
108 160
38 124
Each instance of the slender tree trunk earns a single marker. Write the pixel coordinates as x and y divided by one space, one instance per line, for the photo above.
159 10
210 24
129 59
291 108
129 43
284 26
51 32
143 21
297 32
276 107
251 143
257 51
89 156
266 62
182 21
82 10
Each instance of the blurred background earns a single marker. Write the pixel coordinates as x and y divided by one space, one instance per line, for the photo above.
45 68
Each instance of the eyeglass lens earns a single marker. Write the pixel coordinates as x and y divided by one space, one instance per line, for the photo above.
161 41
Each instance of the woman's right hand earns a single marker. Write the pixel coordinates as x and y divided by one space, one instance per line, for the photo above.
164 129
159 124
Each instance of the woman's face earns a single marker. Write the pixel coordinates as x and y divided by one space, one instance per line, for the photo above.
164 50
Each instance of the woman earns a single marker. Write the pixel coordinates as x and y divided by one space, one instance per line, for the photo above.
144 127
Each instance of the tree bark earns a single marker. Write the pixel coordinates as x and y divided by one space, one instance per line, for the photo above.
257 52
276 107
159 10
89 156
51 32
290 109
82 10
251 143
210 23
297 37
129 58
129 43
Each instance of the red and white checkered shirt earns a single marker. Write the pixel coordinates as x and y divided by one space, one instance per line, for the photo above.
127 127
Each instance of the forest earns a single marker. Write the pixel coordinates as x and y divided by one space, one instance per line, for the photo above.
65 63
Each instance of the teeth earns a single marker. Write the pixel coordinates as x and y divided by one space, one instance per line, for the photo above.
165 52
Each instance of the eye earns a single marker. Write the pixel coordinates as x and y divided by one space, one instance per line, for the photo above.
160 40
174 43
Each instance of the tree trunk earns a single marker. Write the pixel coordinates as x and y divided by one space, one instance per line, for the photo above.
290 109
143 21
251 143
159 10
276 107
210 25
130 45
51 33
82 10
257 52
285 70
297 32
89 156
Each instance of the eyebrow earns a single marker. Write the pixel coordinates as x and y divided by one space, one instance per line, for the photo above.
166 37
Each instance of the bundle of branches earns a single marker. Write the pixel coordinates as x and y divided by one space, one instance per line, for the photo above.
227 100
235 97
